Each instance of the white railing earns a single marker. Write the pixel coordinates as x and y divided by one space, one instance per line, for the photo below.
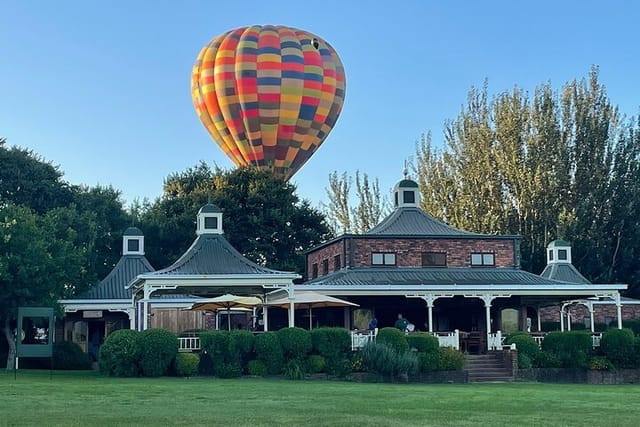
360 339
538 339
448 339
496 341
187 344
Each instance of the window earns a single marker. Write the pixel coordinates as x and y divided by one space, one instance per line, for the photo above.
551 255
133 245
434 259
562 254
408 196
337 265
383 258
314 271
325 267
483 259
210 223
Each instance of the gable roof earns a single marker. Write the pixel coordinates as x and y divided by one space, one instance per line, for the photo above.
212 254
565 272
114 285
415 222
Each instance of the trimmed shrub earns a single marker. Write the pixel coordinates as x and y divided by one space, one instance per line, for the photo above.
120 354
450 359
187 364
334 344
572 349
394 338
158 348
547 359
229 370
423 342
244 342
295 343
634 325
315 364
429 362
382 359
528 348
618 346
68 355
257 368
221 348
268 351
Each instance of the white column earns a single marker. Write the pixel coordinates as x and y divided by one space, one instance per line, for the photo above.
265 318
562 318
593 324
292 308
145 304
131 313
487 308
568 318
619 310
539 319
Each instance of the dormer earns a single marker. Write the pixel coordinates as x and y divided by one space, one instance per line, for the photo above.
132 242
559 252
209 220
406 194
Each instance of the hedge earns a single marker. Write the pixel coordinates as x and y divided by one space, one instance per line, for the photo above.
394 338
120 354
528 349
571 349
618 346
220 347
158 348
68 355
269 351
423 342
334 345
295 343
187 364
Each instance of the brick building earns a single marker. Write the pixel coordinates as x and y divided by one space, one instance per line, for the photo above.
437 276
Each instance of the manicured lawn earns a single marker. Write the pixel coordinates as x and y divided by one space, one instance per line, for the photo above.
90 400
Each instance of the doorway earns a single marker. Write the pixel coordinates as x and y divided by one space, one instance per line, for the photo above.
96 338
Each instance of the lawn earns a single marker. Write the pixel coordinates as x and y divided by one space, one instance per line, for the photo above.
88 399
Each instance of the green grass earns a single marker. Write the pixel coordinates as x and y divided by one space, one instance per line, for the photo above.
90 400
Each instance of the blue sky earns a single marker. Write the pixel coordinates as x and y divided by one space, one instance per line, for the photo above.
102 88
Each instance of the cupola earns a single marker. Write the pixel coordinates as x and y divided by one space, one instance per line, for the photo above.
209 220
406 194
132 241
559 252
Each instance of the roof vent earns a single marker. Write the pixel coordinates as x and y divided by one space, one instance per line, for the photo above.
209 220
559 252
132 242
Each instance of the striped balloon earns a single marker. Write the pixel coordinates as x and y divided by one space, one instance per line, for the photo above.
268 95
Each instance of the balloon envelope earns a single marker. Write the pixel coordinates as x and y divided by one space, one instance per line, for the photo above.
268 95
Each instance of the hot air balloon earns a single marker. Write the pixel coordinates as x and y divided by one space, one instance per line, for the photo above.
268 95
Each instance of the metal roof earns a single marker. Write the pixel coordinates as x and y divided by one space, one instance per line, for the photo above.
371 276
132 231
564 272
210 208
113 286
407 183
212 254
414 221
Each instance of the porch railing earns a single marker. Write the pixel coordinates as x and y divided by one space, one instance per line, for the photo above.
360 339
448 339
188 344
595 339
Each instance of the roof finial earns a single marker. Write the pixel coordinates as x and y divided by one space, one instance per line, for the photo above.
405 171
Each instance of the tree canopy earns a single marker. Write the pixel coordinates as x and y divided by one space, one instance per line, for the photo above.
263 218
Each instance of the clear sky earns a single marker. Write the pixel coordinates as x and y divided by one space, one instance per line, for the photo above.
102 88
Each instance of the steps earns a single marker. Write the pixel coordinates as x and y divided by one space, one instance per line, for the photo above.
486 367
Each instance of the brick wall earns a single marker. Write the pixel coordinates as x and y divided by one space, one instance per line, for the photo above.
409 251
328 252
602 313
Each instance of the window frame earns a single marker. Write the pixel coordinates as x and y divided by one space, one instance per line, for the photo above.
314 270
426 253
384 256
337 262
482 263
325 266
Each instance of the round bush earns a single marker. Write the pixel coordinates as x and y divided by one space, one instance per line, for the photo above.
158 349
269 351
120 354
528 348
220 348
243 343
423 342
571 349
315 364
295 343
257 368
617 345
450 359
394 338
331 342
68 355
429 362
187 364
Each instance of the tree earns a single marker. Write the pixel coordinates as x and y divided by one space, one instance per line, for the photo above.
41 261
370 208
554 165
263 217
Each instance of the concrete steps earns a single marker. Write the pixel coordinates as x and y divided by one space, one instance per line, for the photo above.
486 367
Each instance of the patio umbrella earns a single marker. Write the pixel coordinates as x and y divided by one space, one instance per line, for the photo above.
226 302
310 300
